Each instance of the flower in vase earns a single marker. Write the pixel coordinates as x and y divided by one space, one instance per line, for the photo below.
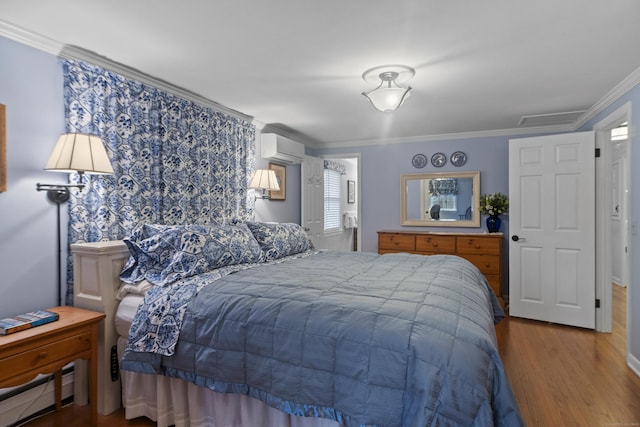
494 204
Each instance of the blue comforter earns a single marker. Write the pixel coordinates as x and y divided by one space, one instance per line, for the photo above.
391 340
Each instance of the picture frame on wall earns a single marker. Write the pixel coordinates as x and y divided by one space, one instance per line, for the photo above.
351 191
3 150
281 175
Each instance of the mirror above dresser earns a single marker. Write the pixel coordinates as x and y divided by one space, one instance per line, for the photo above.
440 199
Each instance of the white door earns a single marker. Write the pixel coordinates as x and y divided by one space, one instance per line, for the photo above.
312 175
552 226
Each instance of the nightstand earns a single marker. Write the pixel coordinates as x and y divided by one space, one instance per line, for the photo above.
47 348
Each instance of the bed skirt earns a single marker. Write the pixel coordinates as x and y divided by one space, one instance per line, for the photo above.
172 401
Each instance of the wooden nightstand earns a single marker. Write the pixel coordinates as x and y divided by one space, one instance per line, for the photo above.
47 348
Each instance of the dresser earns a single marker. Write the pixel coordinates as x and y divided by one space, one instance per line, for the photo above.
483 250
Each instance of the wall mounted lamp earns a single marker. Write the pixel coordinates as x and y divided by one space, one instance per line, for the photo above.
74 152
265 180
389 95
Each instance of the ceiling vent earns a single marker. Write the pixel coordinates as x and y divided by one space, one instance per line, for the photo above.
552 119
280 149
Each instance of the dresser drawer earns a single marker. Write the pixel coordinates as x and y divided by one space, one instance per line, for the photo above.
478 245
31 360
396 242
436 244
487 264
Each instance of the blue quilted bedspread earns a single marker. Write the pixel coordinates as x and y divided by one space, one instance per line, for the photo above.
367 340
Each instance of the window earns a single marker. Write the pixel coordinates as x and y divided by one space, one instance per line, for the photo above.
447 202
620 133
444 192
331 200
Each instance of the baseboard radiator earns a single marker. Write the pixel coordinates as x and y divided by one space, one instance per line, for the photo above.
26 402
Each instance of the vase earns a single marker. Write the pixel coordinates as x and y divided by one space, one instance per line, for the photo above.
493 223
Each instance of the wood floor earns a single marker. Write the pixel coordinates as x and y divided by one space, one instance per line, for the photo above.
564 376
561 376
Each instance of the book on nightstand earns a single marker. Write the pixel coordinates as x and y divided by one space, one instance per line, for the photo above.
26 321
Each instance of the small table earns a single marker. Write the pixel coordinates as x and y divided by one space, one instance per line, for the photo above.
45 349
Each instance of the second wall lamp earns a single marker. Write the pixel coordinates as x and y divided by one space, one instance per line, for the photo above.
264 180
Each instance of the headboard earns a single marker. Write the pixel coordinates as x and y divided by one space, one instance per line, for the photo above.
96 279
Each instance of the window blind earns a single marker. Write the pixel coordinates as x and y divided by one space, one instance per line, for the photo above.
331 200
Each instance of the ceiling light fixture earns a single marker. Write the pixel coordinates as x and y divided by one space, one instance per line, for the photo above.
389 95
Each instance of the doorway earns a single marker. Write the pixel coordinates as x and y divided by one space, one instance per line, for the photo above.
606 203
332 222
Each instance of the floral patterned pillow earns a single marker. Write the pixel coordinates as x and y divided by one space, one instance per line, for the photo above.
278 240
164 254
133 270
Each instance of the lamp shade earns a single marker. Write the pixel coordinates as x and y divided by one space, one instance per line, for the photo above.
264 179
79 152
387 98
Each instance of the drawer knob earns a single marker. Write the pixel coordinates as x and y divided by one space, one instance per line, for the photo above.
477 246
435 244
487 265
42 355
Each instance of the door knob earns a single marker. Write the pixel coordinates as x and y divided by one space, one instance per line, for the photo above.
515 238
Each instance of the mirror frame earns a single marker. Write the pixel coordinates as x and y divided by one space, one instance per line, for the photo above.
475 219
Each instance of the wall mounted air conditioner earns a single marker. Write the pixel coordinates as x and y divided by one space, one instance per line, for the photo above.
280 149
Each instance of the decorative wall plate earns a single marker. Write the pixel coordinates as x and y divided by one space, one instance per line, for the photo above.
438 160
458 158
419 161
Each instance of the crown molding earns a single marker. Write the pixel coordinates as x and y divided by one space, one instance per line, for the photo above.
258 124
20 35
452 136
631 81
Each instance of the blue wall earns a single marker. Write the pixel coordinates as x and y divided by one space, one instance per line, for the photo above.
287 210
382 166
31 90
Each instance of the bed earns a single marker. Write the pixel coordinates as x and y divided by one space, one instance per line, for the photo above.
246 324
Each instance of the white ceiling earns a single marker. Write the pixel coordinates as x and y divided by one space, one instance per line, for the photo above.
296 65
